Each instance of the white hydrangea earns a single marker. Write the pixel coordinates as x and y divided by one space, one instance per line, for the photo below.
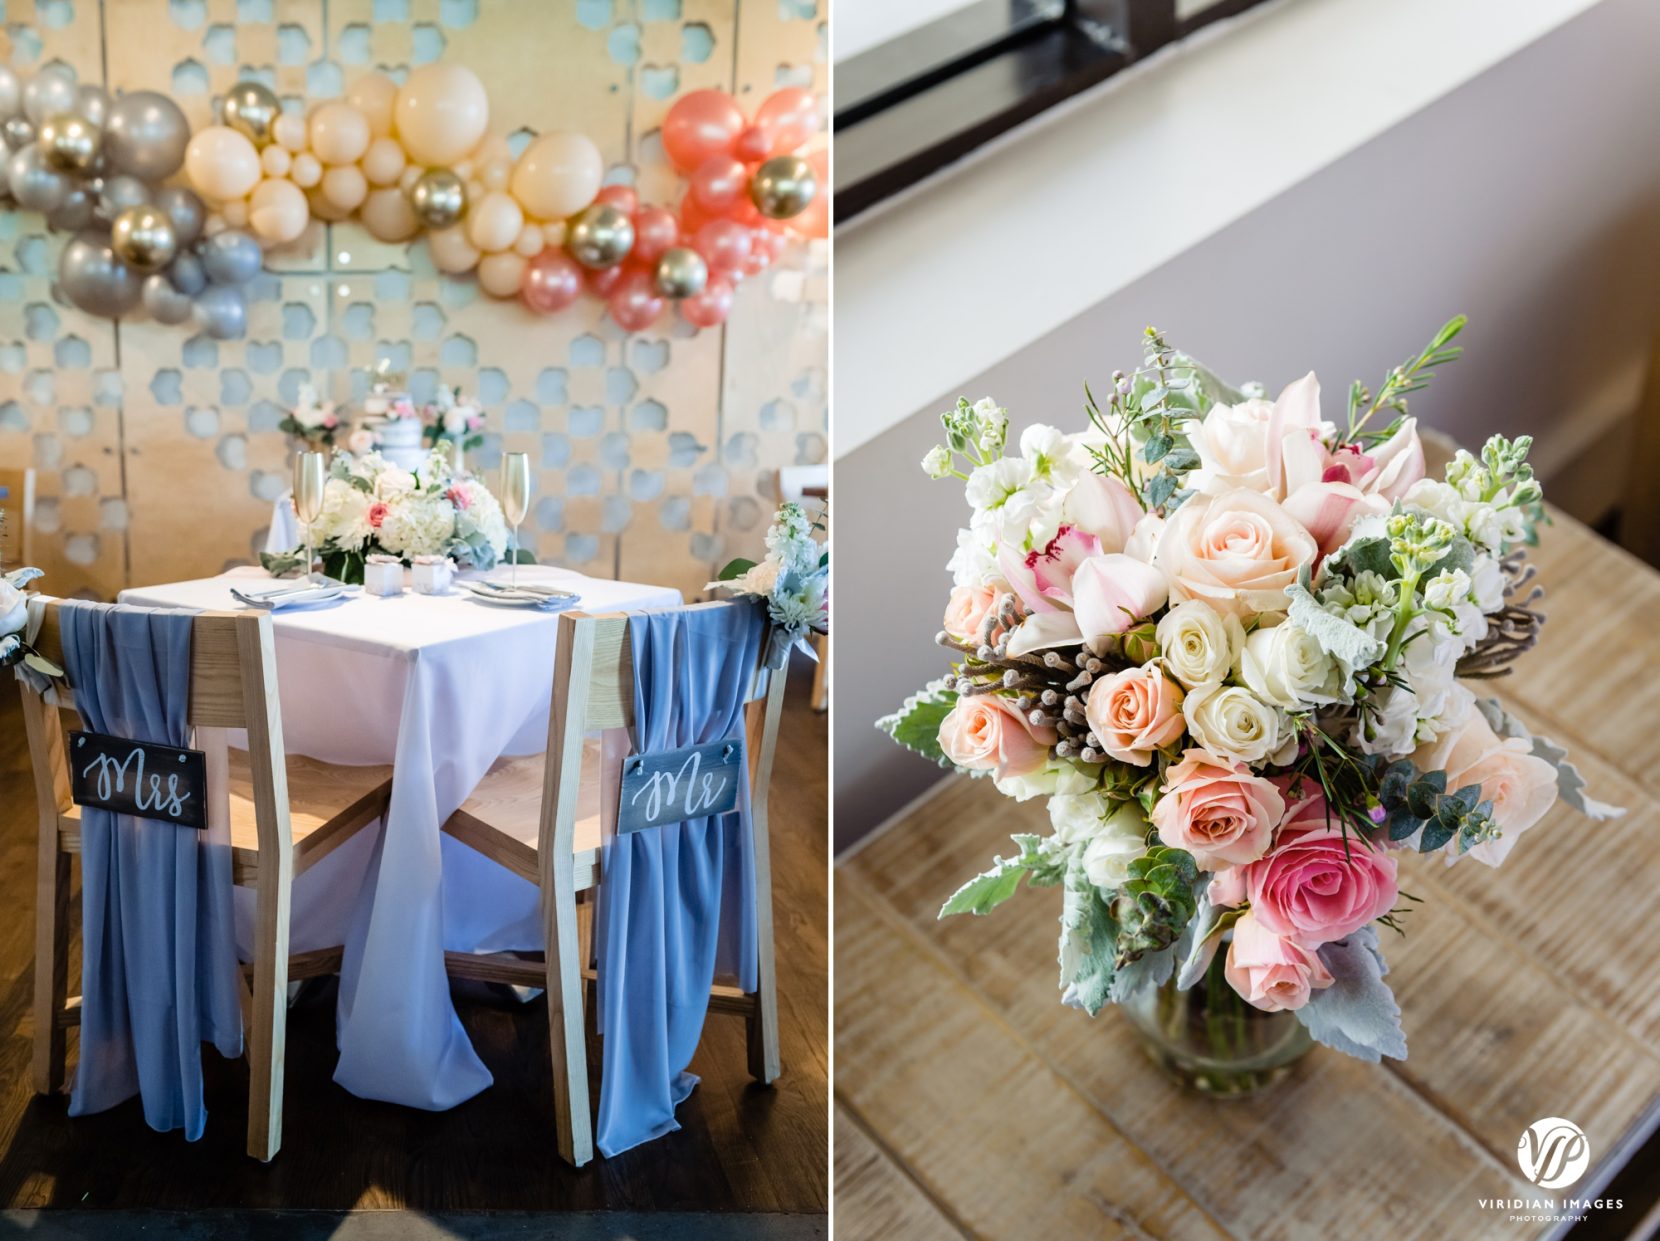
418 525
481 514
344 520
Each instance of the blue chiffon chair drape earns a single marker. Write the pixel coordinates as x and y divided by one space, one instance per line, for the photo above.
677 903
159 973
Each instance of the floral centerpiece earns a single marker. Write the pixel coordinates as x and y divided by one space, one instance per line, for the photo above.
1236 646
793 579
14 624
313 422
372 506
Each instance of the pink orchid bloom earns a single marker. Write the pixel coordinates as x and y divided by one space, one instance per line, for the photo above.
1106 594
1043 579
1104 507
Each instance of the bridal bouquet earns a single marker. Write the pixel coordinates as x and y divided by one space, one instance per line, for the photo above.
371 506
1236 646
793 581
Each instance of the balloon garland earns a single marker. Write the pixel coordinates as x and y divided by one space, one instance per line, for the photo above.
404 159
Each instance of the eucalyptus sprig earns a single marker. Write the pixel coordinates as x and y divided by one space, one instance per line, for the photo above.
1403 380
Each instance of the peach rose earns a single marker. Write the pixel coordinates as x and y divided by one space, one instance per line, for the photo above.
1237 551
1219 812
967 610
1317 885
987 732
1521 787
1134 712
1271 972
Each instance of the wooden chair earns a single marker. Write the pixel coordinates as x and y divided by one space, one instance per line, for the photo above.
540 817
284 815
17 502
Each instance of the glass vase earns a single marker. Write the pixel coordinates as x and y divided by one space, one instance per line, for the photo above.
1211 1040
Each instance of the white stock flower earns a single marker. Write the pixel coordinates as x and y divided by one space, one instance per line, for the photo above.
14 609
1007 493
937 464
1199 644
1233 723
1286 666
974 563
1487 584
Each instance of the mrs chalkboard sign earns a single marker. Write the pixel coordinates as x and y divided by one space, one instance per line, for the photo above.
138 778
674 785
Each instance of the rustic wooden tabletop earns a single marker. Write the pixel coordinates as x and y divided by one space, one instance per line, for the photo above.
969 1102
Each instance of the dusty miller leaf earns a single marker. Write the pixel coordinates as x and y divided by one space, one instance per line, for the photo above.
1357 1014
1346 642
916 725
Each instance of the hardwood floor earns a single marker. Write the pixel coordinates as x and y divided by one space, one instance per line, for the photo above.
741 1147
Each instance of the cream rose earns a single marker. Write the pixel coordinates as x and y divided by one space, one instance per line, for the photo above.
1233 723
1135 712
1285 665
1237 551
1121 840
987 732
1232 443
1521 787
1199 644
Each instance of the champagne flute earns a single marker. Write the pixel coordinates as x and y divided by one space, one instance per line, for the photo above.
309 477
515 501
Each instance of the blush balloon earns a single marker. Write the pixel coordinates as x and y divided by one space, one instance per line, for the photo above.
622 197
692 216
701 123
754 144
724 245
655 230
552 281
634 303
601 280
789 116
710 307
815 221
719 184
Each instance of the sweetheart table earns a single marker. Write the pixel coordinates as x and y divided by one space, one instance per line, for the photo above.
440 687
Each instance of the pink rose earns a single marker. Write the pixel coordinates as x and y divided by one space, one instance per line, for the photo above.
1317 886
1271 972
1521 787
987 732
377 514
1217 811
1237 551
1134 712
967 610
459 497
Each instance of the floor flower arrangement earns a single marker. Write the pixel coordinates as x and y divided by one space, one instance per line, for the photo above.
1238 648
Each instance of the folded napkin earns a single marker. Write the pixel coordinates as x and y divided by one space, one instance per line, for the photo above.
288 595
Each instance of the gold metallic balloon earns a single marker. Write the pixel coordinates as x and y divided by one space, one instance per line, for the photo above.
600 235
438 198
70 143
681 273
144 238
783 186
252 109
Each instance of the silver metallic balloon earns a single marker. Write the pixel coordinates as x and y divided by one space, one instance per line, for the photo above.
783 186
69 142
93 102
251 109
164 302
184 209
11 93
119 193
600 235
681 272
187 275
144 238
48 93
439 198
18 132
74 213
230 257
222 312
146 135
32 183
95 279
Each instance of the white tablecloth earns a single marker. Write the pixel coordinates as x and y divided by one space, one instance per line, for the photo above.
440 687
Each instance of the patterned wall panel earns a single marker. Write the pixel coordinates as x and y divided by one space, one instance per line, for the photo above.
157 451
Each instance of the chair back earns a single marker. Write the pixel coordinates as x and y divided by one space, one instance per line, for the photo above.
17 502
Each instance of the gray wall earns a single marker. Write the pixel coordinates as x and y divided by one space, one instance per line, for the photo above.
1528 199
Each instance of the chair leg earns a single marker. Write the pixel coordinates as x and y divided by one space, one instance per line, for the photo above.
51 965
267 1032
567 1030
765 1064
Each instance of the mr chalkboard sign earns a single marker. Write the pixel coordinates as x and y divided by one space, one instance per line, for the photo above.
138 778
674 785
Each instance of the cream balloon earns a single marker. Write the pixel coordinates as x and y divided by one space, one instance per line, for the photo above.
494 221
290 133
496 174
345 187
323 208
530 242
441 112
374 95
387 215
409 176
500 275
278 211
339 133
383 162
451 251
306 171
276 160
235 213
221 164
558 175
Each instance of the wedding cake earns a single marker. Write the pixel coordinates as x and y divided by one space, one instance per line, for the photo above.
396 426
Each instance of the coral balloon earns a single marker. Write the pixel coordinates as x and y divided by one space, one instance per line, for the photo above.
753 145
710 307
622 197
655 230
558 175
634 302
601 280
374 95
221 164
499 275
388 216
552 281
451 251
815 220
701 123
789 117
724 245
719 184
494 223
441 112
345 187
278 211
383 162
339 133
